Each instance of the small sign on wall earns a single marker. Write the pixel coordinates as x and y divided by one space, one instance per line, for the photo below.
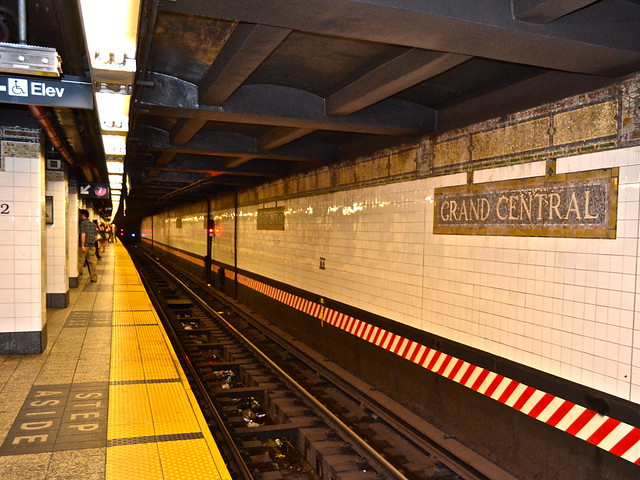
271 218
582 205
48 210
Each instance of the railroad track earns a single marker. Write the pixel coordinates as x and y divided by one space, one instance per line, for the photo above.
278 410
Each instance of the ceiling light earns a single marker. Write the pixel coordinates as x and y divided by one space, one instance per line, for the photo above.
111 29
113 110
114 144
115 166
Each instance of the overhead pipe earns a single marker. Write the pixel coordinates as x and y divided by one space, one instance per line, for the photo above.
22 21
38 113
45 122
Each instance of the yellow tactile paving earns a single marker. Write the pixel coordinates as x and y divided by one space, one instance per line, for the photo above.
134 318
150 399
179 461
140 462
130 415
171 409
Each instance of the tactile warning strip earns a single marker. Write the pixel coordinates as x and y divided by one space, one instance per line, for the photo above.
136 382
155 427
155 438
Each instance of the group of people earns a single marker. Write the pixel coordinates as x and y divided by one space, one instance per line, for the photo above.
92 241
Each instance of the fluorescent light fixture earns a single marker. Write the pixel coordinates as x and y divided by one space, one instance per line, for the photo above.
111 30
114 144
115 166
113 110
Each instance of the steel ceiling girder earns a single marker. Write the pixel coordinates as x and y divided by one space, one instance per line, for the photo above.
600 39
278 106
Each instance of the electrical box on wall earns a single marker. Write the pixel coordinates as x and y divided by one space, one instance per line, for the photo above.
54 164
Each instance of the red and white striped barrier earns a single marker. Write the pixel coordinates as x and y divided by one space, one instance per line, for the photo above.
607 433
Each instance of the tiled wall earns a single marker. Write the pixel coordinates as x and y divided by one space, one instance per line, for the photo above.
564 306
57 275
184 228
72 235
22 301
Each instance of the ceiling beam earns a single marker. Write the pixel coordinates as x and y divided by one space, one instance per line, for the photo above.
539 90
218 171
546 11
277 106
184 130
601 40
245 50
276 137
396 75
224 144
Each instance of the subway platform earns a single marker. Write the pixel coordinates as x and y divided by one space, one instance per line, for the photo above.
108 398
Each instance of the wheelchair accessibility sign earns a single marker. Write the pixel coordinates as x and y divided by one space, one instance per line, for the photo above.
39 91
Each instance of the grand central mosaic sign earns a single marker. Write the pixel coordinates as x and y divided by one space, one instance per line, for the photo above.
580 205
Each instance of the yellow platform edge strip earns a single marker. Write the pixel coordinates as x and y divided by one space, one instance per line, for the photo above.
166 457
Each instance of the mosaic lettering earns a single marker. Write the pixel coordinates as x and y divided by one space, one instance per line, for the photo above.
573 206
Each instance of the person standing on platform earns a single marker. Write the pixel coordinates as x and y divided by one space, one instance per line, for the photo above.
87 232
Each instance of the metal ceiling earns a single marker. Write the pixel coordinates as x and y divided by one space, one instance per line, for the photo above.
233 94
56 23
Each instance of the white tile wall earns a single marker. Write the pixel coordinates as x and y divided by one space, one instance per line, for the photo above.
57 274
22 295
570 307
191 236
72 231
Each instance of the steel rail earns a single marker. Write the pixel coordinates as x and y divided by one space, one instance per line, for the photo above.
227 437
362 443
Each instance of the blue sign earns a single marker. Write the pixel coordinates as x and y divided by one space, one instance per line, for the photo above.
42 91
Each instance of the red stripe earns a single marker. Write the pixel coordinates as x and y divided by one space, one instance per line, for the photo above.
467 374
415 353
508 391
524 397
361 329
380 342
399 345
560 413
433 361
541 405
492 388
405 352
629 440
456 367
446 362
580 422
347 325
424 356
605 429
355 326
392 339
480 379
373 329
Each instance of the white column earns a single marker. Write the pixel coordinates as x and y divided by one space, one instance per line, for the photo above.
72 234
22 266
56 227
